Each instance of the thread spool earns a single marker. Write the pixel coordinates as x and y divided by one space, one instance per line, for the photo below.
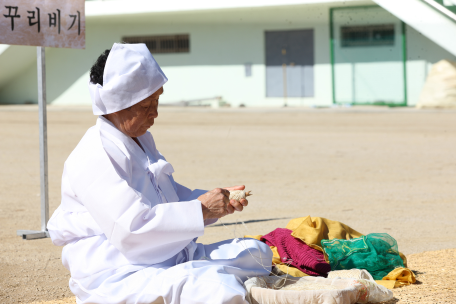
239 194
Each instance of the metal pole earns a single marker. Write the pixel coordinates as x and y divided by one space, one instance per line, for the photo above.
285 89
43 137
31 234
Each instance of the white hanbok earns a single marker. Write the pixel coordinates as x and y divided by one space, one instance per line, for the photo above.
129 229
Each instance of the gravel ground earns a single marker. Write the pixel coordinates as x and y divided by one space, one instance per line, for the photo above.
377 170
436 279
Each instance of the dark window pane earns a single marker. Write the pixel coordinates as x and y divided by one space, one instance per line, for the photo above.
163 44
167 44
383 35
368 35
151 45
182 44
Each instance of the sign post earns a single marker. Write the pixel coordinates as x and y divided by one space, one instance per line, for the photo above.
34 234
41 61
42 23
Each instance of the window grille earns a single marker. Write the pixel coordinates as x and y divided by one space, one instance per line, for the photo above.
163 44
368 35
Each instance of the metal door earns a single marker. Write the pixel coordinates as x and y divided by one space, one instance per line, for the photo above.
290 61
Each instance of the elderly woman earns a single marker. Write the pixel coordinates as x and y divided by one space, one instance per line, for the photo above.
128 228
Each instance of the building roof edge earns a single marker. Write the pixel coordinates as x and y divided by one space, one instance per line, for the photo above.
131 7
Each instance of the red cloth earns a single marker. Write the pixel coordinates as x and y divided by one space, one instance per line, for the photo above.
296 253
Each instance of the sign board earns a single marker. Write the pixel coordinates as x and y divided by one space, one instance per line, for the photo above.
44 23
58 24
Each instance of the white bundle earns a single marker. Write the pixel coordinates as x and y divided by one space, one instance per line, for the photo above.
303 285
350 274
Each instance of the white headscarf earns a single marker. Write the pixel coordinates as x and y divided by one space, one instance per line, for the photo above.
130 75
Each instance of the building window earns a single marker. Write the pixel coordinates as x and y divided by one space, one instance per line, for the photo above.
367 35
163 44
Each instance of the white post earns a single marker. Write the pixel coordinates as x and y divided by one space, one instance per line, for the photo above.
31 234
43 137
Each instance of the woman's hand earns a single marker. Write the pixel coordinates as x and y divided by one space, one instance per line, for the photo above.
238 205
216 203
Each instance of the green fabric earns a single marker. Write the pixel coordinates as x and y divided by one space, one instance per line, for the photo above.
375 252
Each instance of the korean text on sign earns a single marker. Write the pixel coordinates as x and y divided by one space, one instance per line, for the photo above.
43 23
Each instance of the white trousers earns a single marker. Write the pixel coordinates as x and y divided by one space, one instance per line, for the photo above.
214 274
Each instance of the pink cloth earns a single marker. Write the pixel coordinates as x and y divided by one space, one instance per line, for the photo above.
296 253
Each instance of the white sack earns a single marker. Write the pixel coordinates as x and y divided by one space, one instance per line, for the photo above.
314 290
350 274
439 91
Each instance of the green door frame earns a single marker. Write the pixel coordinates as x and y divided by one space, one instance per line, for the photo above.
404 59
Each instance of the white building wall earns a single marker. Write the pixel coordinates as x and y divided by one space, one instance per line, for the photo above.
373 73
219 49
221 42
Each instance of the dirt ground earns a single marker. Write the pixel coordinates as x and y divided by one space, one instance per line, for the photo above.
377 170
436 279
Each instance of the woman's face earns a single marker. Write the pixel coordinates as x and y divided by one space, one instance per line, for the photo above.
136 120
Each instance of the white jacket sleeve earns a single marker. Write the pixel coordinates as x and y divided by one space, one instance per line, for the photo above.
144 232
185 194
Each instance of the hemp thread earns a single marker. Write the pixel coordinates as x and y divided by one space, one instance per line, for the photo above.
260 262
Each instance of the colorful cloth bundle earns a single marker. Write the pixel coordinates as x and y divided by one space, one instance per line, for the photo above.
296 253
311 231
